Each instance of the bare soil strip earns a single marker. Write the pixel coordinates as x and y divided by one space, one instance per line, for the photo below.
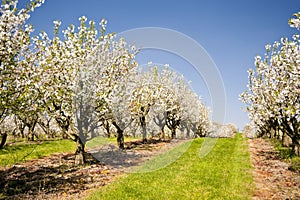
272 177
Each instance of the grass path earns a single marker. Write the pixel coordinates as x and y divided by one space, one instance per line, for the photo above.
225 173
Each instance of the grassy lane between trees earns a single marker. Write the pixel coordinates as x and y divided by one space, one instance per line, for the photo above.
22 152
225 173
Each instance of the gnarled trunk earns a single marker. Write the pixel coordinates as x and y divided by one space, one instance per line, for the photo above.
162 132
172 123
144 130
173 133
79 153
31 134
161 123
120 137
107 128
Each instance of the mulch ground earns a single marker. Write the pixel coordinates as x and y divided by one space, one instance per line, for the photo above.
56 176
272 176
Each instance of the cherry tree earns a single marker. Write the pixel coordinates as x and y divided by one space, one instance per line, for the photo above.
176 104
118 105
168 105
80 71
148 96
143 96
273 95
7 127
131 100
57 63
115 62
249 130
29 104
15 62
198 116
47 125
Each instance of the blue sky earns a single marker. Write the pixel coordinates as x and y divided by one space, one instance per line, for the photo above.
232 32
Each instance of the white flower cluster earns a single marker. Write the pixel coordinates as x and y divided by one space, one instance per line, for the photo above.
295 22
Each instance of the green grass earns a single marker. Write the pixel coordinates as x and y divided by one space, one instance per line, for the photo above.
99 141
225 173
22 152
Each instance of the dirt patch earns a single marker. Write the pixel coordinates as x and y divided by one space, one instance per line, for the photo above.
272 177
56 176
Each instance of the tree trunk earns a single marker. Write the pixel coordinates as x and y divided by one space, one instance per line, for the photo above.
296 146
22 130
173 131
46 127
294 135
120 137
64 124
3 140
79 154
161 123
30 134
144 130
162 131
188 131
106 126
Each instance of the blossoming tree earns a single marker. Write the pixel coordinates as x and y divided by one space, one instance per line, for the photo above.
80 71
273 95
15 63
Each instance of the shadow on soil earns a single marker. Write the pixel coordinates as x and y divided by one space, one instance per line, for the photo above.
57 174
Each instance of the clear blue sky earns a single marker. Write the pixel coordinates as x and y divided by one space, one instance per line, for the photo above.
231 31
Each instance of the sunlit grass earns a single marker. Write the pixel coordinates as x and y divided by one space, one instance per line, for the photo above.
225 173
99 141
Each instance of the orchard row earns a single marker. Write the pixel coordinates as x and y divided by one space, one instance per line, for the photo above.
273 95
84 79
